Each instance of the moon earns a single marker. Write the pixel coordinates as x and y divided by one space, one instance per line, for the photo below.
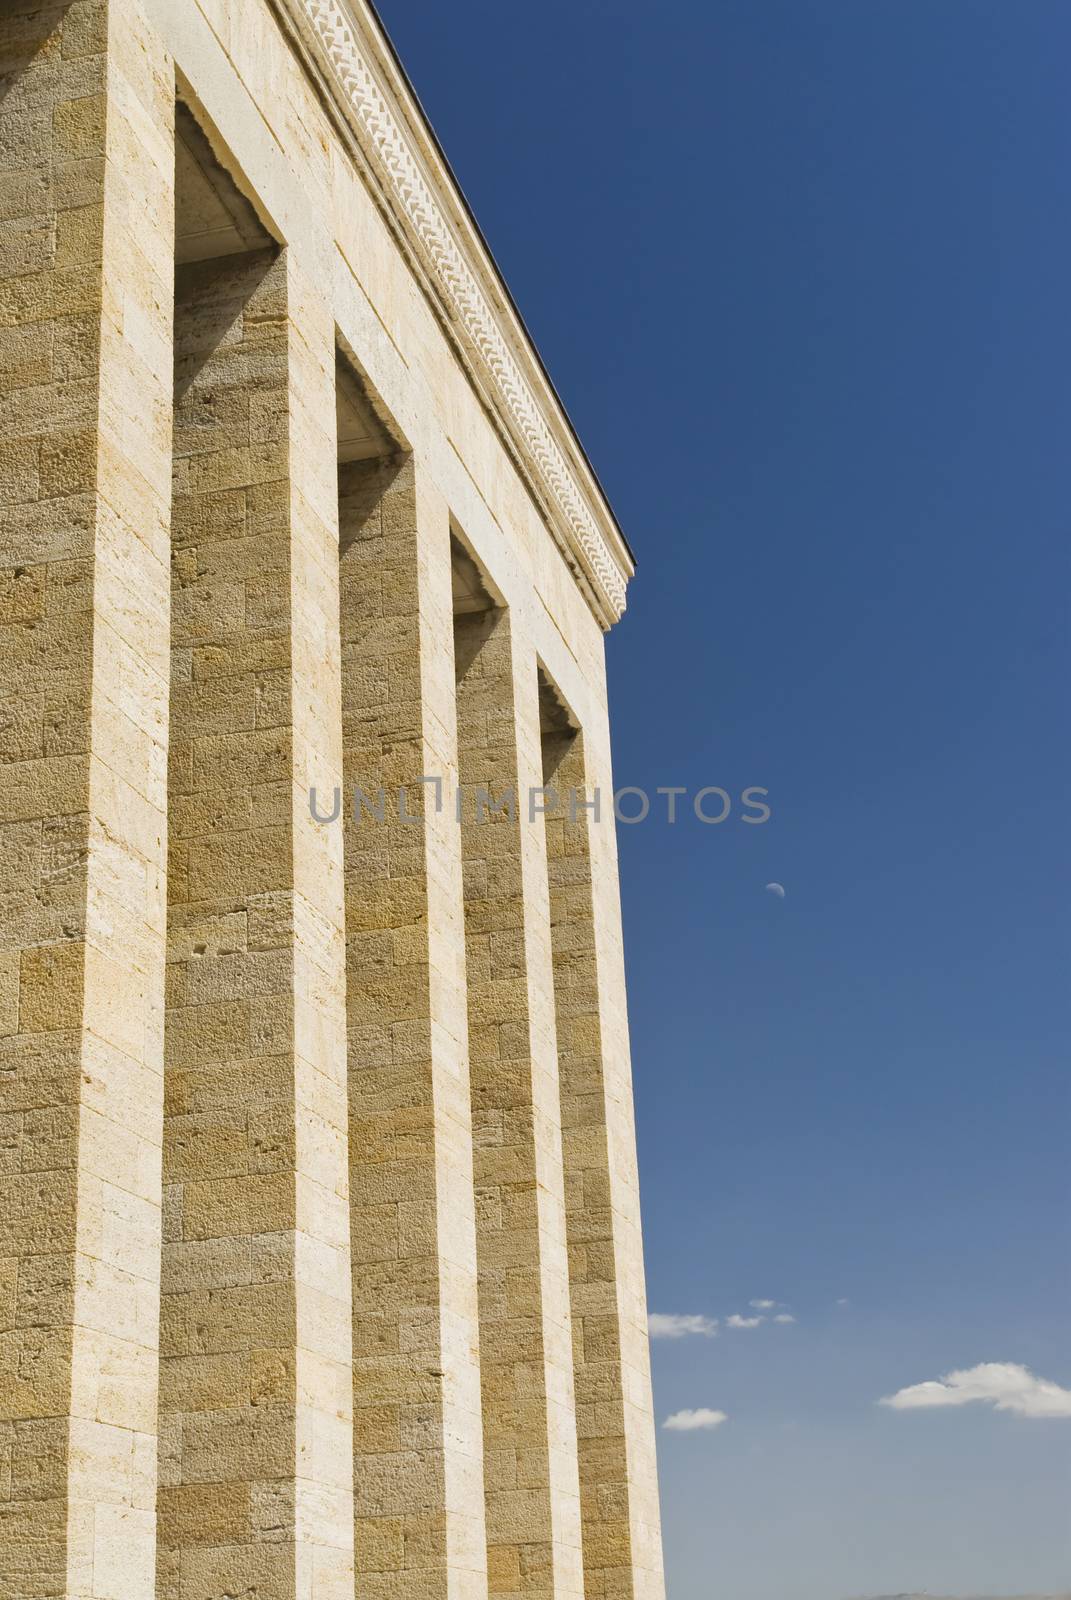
776 888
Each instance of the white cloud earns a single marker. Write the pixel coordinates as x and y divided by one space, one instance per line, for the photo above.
844 1301
692 1421
1004 1385
762 1305
669 1325
784 1316
743 1322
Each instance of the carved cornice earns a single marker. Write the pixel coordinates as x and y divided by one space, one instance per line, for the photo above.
376 102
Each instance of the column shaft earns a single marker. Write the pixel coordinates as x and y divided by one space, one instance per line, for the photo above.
256 1486
85 350
618 1474
532 1494
418 1452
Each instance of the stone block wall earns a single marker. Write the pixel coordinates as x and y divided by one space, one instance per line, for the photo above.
320 1261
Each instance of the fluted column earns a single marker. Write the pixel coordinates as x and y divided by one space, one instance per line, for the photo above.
533 1520
85 445
618 1475
256 1425
418 1471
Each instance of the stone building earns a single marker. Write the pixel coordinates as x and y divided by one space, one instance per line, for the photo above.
320 1267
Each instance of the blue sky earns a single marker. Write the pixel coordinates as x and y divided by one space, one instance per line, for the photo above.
800 270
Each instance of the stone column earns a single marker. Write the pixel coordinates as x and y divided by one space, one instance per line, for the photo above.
618 1473
86 166
418 1450
532 1494
256 1423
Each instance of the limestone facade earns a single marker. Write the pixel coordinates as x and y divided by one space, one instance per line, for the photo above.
320 1259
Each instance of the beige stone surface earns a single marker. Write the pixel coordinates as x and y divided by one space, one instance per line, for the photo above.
255 1398
85 301
393 1343
530 1442
418 1467
622 1549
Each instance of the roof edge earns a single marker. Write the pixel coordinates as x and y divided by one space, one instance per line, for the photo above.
371 91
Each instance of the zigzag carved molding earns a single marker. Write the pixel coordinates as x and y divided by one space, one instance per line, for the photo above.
385 144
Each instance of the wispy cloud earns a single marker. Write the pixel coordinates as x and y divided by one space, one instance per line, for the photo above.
692 1421
1004 1385
679 1325
670 1325
1064 1596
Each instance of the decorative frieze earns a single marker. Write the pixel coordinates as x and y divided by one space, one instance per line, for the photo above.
464 280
